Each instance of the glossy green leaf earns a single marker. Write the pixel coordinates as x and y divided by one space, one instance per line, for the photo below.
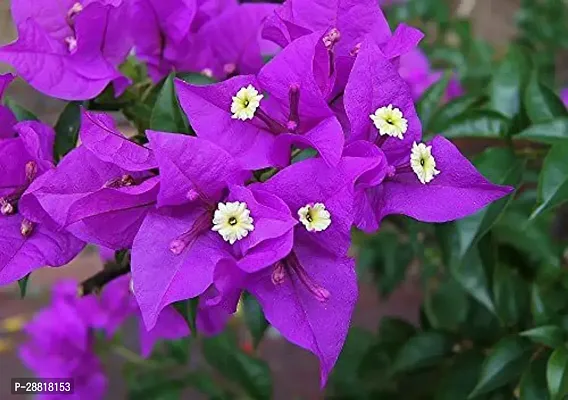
461 377
551 132
471 274
549 335
508 82
431 99
539 308
445 115
20 112
167 115
553 180
532 240
23 285
67 129
541 103
477 123
188 310
503 365
424 349
557 374
533 382
500 166
446 307
254 318
252 374
510 295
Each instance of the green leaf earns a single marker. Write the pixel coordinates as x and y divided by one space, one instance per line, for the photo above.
431 99
188 310
557 374
167 115
541 103
477 123
388 260
510 295
550 132
470 273
23 284
345 379
539 308
503 365
67 129
195 79
254 318
533 382
509 80
549 335
447 306
20 112
179 349
423 350
553 180
500 166
532 240
395 331
445 116
461 377
253 375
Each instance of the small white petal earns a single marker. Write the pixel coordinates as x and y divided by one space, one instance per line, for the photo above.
423 162
314 217
232 221
245 103
390 121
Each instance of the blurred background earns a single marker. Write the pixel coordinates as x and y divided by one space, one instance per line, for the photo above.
295 372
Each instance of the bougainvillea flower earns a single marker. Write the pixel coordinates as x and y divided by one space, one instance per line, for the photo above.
353 19
28 243
431 183
217 38
61 344
69 49
7 118
231 43
106 182
348 23
258 119
295 261
175 252
159 25
414 68
564 96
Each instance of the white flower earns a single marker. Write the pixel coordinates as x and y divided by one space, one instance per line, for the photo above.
232 221
423 163
390 121
245 103
314 217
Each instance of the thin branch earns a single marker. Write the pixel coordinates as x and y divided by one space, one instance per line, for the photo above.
96 282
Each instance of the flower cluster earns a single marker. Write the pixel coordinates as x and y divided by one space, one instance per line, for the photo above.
195 211
68 337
